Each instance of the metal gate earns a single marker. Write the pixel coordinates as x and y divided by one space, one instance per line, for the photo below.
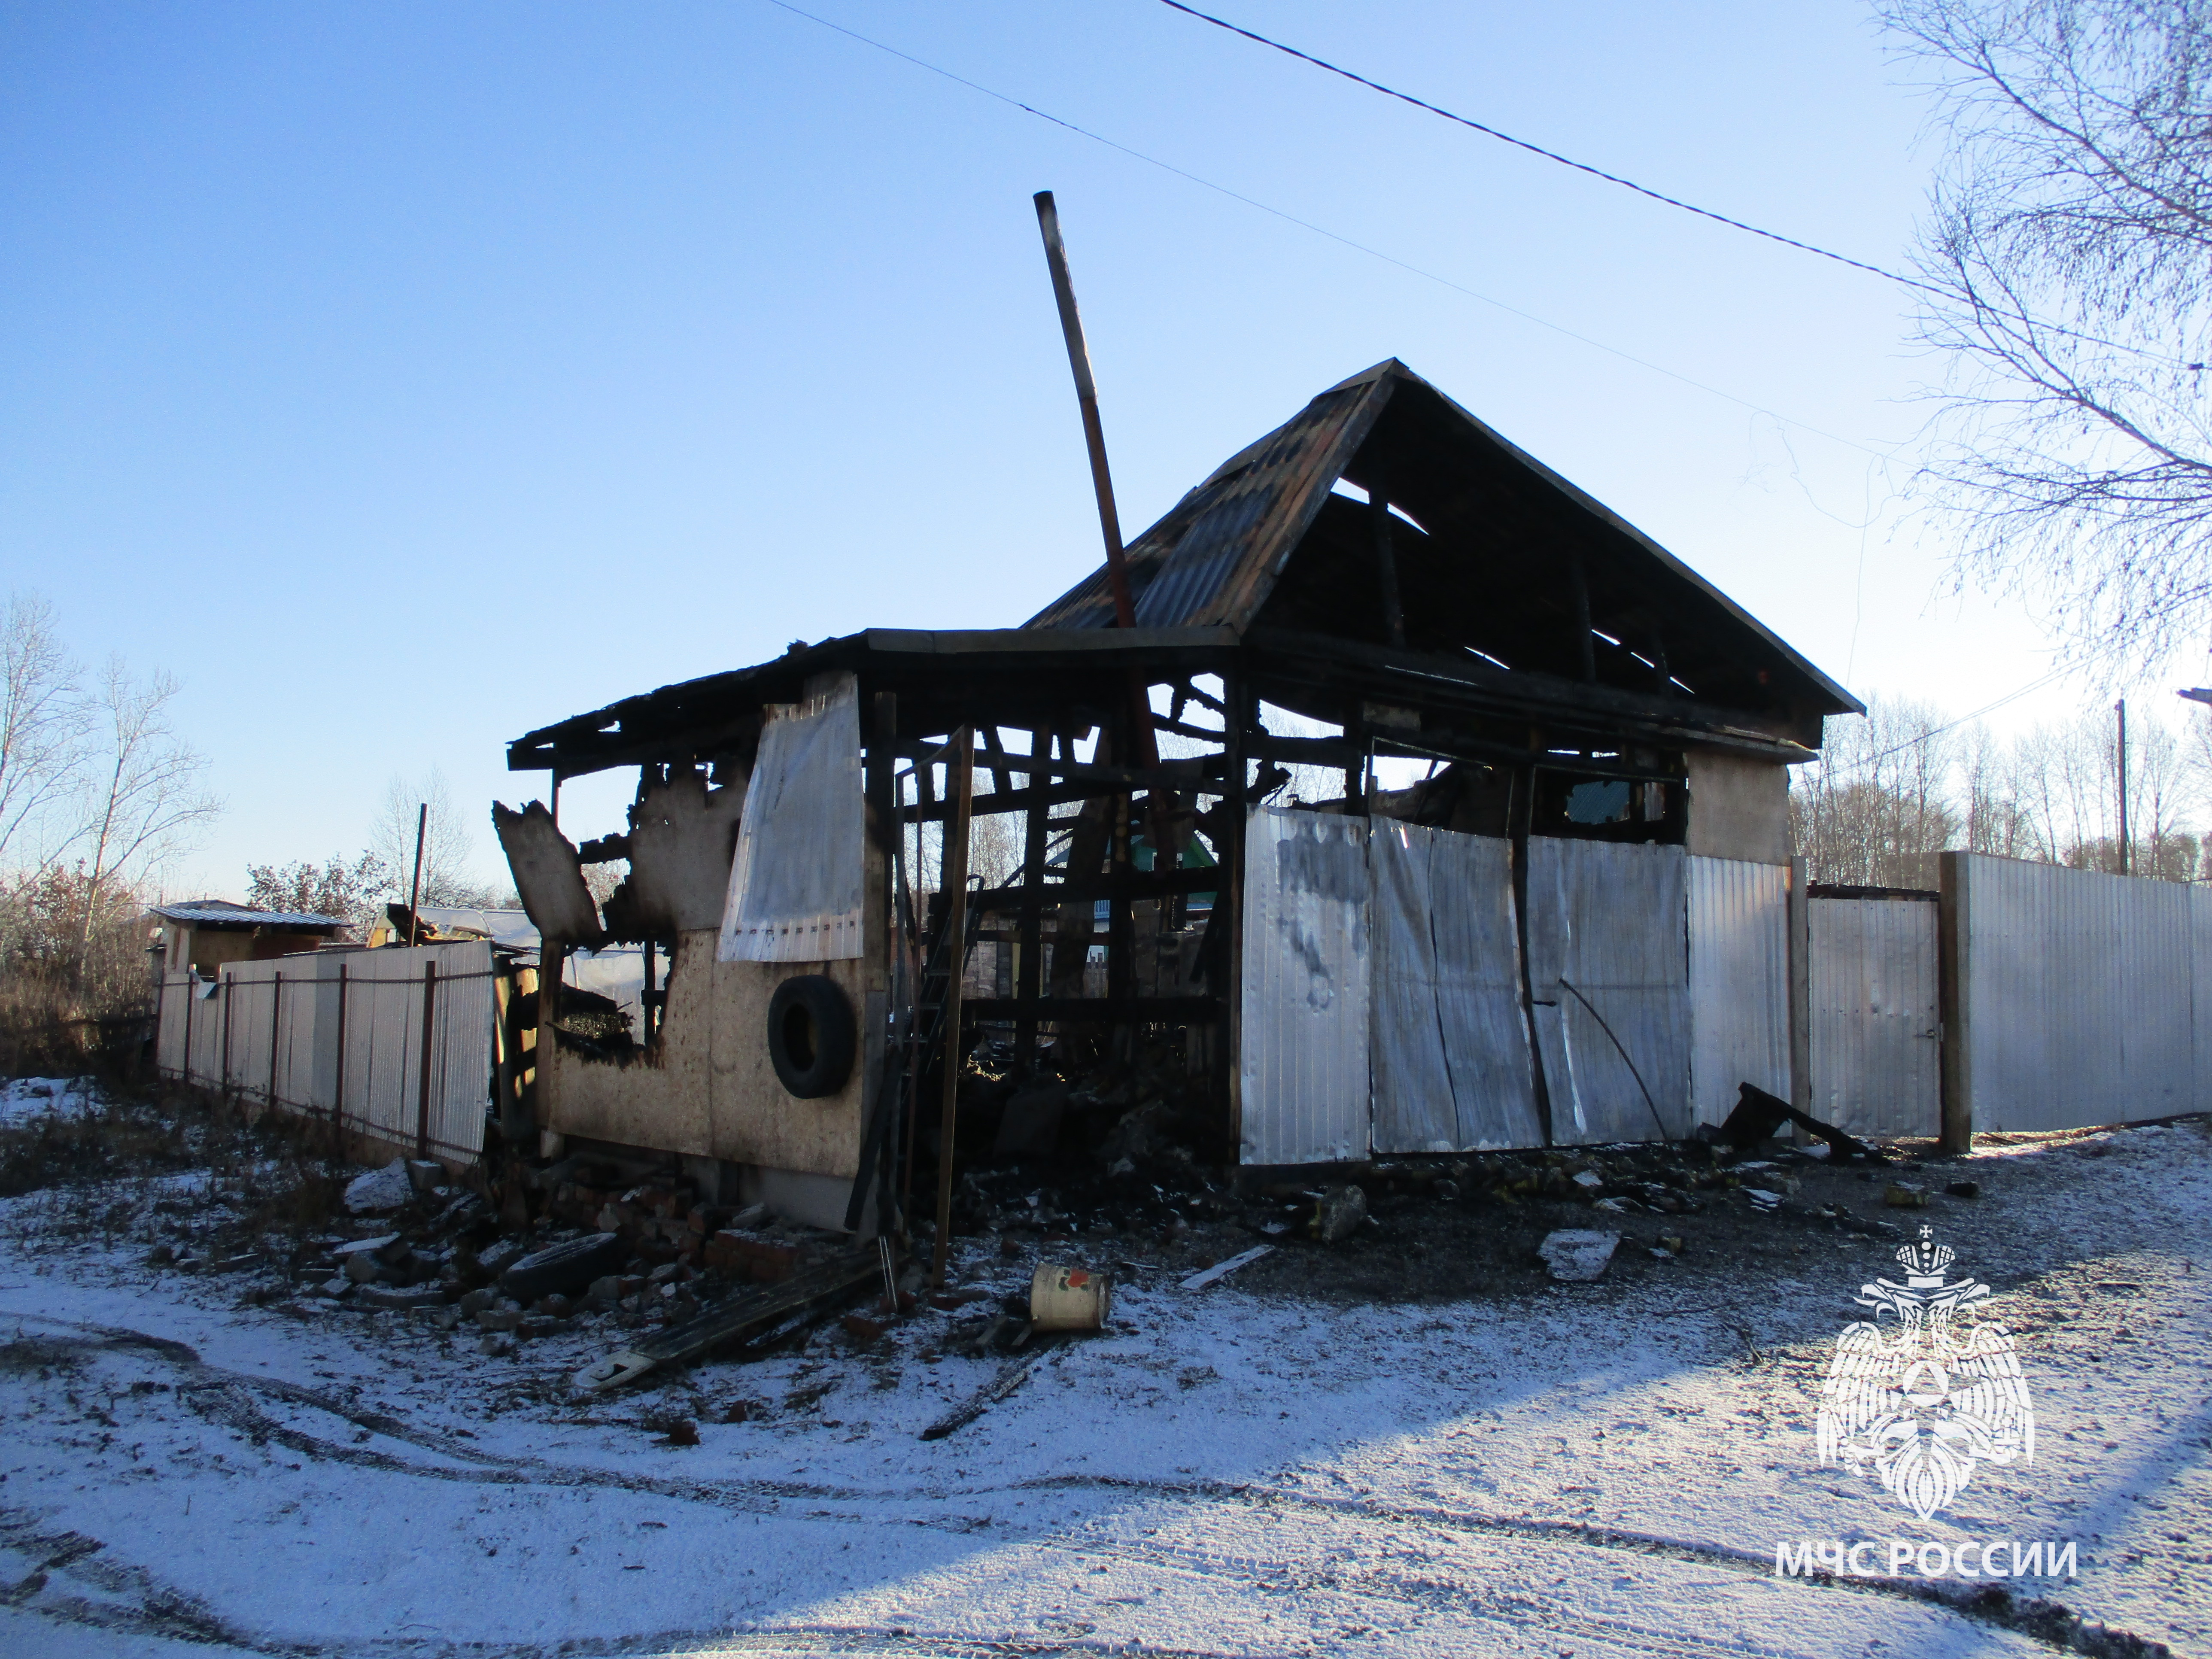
1876 1037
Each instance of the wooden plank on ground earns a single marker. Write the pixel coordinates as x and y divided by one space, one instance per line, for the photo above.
730 1319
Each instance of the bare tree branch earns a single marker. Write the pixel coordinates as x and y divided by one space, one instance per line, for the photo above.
2070 233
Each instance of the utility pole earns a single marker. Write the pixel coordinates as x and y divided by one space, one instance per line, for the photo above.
415 887
2121 708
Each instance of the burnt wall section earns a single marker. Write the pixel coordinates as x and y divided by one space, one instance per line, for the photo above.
547 875
709 1088
682 835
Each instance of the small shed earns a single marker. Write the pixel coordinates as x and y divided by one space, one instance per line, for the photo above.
205 933
1497 952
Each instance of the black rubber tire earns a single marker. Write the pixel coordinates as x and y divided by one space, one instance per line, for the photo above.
813 1036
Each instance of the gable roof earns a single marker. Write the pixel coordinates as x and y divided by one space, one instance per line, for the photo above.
1486 547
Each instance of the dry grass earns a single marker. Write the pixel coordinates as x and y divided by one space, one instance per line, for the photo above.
276 1173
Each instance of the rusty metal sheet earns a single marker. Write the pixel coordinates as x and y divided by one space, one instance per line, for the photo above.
1306 958
1611 920
1449 1040
1213 558
1738 982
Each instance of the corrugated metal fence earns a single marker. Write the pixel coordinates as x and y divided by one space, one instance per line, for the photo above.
1307 983
1608 964
400 1044
1738 982
1383 1008
2080 994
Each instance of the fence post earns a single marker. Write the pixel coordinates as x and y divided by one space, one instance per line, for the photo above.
1800 923
189 986
337 1084
223 988
276 1026
423 1110
1955 968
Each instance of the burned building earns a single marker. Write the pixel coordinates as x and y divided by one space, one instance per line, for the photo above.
1496 952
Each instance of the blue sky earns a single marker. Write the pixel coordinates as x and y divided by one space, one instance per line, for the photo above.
405 377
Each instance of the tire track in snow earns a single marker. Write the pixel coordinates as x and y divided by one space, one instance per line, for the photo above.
225 1397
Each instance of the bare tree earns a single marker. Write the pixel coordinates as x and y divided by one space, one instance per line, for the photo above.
2069 257
447 847
142 799
43 721
1877 809
354 893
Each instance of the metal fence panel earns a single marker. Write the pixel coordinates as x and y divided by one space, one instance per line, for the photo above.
1306 983
1877 1040
2158 1062
2078 996
1611 920
1738 982
2200 1001
172 1024
1449 1043
209 1010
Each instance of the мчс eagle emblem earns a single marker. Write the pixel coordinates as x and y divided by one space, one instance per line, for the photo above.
1919 1401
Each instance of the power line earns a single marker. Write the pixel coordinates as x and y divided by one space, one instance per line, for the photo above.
2036 684
1322 230
1645 189
1550 154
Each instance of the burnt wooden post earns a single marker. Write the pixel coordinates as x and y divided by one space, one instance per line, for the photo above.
1585 648
1031 934
1121 934
961 784
423 1101
337 1084
1954 965
550 959
1386 556
275 1025
1241 716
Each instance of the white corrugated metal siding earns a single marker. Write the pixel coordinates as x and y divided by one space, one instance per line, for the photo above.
794 889
1738 982
1449 1041
2078 996
1876 1042
1305 961
1613 920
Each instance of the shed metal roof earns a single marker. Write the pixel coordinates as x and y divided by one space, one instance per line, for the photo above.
203 913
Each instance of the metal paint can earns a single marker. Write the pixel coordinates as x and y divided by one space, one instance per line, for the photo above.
1064 1298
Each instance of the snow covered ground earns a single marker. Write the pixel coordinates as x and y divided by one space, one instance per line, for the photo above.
25 1099
1594 1470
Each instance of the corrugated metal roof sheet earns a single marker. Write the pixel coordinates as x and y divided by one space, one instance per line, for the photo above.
201 911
